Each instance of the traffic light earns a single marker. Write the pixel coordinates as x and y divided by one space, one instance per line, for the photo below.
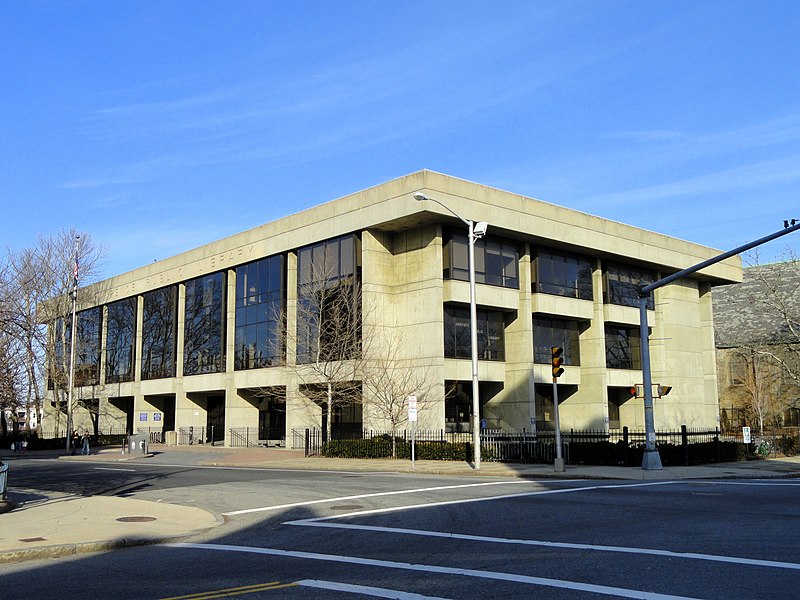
556 361
663 390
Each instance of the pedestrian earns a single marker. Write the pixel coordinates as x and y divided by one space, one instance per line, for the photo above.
75 439
85 449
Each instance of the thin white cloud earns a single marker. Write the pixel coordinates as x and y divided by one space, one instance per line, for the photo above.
746 177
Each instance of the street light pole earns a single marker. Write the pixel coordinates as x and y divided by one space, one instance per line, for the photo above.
72 336
476 231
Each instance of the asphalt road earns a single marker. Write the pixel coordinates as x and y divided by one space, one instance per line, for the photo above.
301 534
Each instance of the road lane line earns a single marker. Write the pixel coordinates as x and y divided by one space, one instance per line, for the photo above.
377 511
442 570
758 483
373 495
756 562
113 469
364 590
235 591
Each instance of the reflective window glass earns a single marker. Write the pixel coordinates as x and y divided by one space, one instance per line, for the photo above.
204 325
259 330
549 332
562 274
120 340
159 323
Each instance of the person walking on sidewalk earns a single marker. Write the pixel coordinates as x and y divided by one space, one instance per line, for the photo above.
75 439
85 449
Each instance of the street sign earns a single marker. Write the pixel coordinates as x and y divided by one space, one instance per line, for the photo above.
746 435
412 409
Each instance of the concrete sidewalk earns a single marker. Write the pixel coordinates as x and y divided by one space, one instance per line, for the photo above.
40 525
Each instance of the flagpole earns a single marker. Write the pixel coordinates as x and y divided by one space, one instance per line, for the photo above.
72 336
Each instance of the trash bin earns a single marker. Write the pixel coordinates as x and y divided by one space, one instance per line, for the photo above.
171 438
3 479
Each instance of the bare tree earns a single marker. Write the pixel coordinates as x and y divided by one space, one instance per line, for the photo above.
39 281
761 382
777 297
328 336
9 381
390 379
758 322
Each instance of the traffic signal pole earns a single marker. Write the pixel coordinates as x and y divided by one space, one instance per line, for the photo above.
556 360
651 459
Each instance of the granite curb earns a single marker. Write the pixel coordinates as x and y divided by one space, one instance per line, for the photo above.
74 548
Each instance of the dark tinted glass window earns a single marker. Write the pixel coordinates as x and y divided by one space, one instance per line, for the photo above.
562 274
329 300
548 333
623 348
120 340
491 334
159 323
87 346
87 349
496 260
57 368
204 325
260 310
621 284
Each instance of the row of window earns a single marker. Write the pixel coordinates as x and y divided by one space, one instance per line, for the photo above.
622 343
326 280
553 272
328 275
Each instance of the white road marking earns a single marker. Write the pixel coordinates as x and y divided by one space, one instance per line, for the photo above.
364 590
373 495
113 469
471 500
754 562
326 522
759 482
493 575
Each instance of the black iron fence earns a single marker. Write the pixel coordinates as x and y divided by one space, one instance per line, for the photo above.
191 435
250 437
601 447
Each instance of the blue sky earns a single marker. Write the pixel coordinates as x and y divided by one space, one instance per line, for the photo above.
161 126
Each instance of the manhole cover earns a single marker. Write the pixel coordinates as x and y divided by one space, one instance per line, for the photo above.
347 507
136 519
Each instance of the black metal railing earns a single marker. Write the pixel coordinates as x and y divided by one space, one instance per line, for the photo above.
605 447
188 436
250 437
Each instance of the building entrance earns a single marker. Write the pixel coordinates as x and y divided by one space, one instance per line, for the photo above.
215 418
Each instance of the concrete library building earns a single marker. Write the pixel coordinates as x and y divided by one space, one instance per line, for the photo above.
332 317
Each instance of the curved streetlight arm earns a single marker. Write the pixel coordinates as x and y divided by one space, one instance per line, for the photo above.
420 197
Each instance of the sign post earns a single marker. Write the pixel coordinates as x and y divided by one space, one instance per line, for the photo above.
412 418
746 438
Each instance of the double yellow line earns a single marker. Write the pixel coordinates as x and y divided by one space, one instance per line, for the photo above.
237 591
